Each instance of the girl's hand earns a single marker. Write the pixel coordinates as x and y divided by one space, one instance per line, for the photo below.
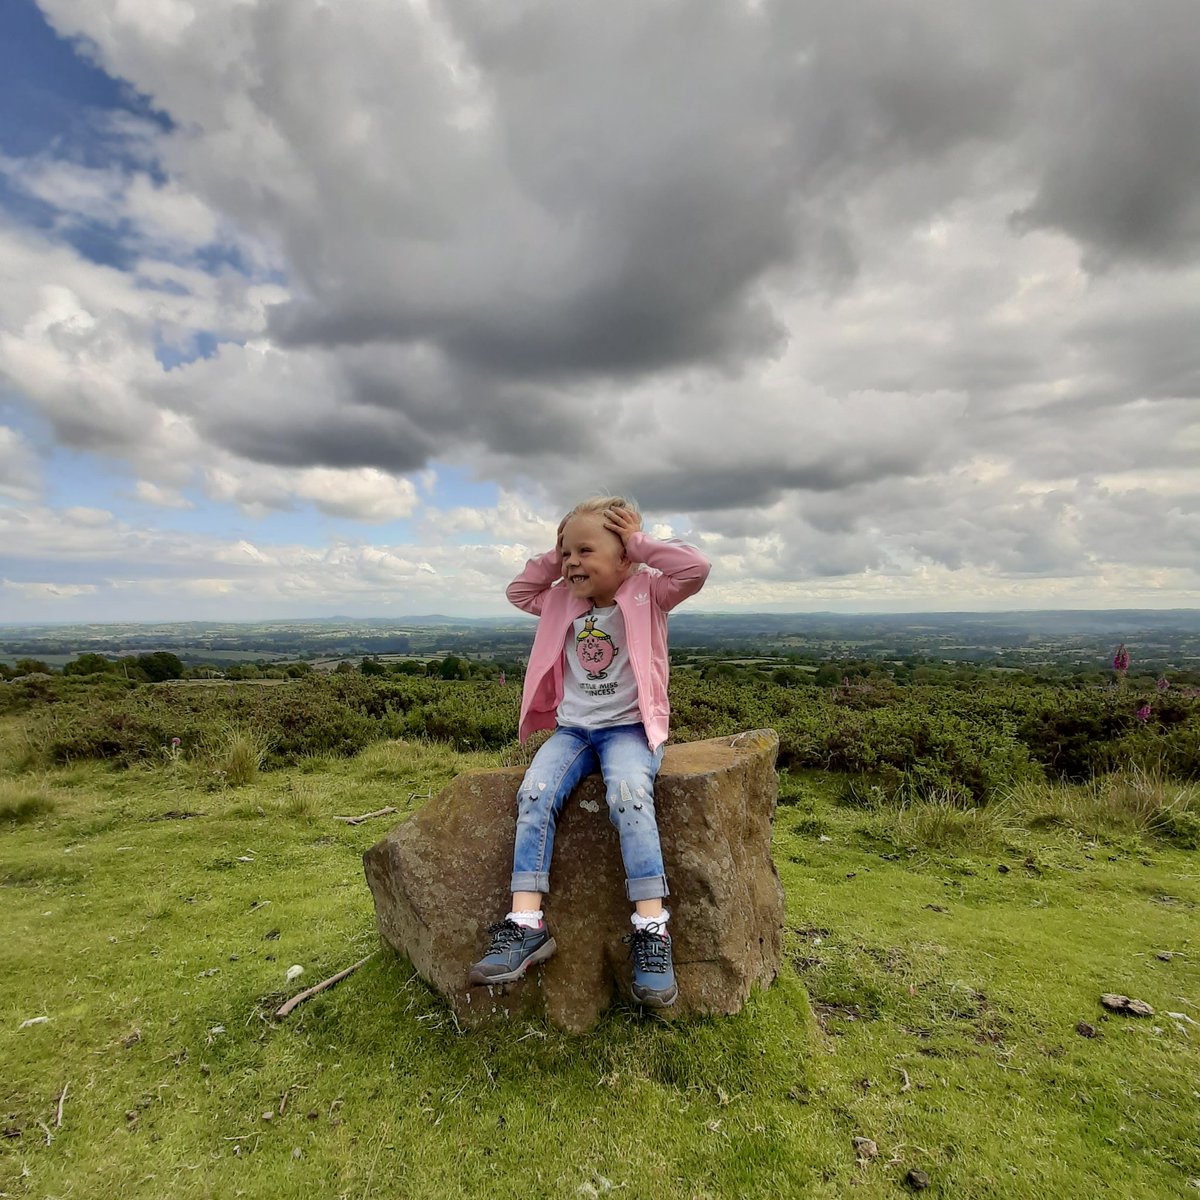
623 522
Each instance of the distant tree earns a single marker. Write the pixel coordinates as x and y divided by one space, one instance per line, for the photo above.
344 668
453 668
408 666
372 666
31 666
160 665
298 670
89 664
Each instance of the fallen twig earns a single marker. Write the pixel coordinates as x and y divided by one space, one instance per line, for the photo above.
61 1097
284 1009
907 1084
46 1128
379 812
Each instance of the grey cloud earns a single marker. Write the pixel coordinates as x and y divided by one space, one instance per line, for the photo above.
350 437
648 168
1117 149
734 486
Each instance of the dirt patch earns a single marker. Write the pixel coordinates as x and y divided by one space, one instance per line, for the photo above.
827 1014
891 958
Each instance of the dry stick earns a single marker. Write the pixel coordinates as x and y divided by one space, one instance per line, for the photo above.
379 812
907 1084
62 1096
284 1009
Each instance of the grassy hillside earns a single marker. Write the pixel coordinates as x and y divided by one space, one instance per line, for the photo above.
938 963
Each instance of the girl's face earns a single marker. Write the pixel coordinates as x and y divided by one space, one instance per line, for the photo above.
593 559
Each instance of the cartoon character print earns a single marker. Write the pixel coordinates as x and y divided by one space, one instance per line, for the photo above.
595 650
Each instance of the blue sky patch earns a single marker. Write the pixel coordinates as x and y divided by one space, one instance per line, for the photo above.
50 92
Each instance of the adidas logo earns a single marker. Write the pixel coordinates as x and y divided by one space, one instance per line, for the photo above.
641 598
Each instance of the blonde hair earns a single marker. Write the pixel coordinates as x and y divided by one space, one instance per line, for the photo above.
595 504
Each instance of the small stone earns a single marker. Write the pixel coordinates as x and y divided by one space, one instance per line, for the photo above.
295 1151
131 1039
865 1147
917 1180
1085 1030
313 1115
1164 956
268 1116
131 1114
1123 1004
1003 869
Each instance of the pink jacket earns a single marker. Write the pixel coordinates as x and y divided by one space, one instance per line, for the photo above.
673 571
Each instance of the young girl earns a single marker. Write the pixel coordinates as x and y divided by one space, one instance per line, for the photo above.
598 676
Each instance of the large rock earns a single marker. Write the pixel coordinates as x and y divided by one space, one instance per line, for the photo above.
442 876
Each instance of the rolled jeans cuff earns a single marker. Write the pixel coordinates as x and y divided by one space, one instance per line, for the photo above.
531 881
652 887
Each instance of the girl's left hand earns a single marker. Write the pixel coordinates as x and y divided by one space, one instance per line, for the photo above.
623 522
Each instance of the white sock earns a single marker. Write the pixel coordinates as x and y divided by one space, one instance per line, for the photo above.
640 922
530 920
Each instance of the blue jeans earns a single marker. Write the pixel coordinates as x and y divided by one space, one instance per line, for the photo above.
629 767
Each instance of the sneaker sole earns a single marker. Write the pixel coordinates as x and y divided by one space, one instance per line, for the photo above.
543 952
656 999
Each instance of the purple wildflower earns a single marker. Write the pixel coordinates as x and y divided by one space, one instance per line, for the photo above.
1143 713
1163 684
1121 659
175 743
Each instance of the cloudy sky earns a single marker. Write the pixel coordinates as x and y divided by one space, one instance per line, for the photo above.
334 307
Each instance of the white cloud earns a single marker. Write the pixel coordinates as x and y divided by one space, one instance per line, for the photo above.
161 497
42 591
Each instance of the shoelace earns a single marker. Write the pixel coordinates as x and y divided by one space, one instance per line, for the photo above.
649 949
503 934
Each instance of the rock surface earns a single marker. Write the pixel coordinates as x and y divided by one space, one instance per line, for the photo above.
439 878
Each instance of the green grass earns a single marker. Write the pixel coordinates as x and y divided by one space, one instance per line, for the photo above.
929 1001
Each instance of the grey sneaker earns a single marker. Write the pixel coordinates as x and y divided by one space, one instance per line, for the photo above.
513 950
653 971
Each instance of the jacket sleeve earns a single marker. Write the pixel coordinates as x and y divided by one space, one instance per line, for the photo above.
528 590
684 569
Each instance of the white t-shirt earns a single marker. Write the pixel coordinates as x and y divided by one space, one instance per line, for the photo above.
599 688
